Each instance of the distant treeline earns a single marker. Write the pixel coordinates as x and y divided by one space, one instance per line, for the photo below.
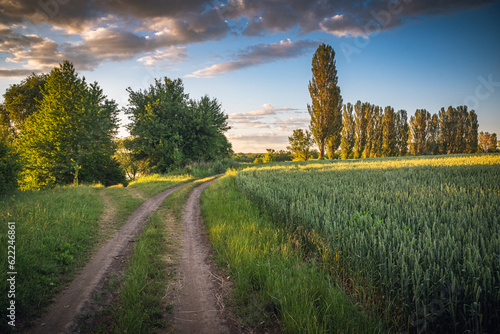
372 131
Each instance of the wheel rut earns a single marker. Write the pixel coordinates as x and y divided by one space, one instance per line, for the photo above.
63 314
196 306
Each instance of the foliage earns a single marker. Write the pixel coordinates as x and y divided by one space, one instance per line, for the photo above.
348 132
169 130
300 144
131 165
326 107
9 166
487 142
417 236
69 139
269 156
360 125
20 102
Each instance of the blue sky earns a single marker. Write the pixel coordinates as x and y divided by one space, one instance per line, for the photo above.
254 56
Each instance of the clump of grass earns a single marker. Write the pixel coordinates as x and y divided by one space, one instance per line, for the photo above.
270 276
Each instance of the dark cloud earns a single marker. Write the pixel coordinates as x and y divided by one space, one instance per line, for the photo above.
116 30
15 72
258 54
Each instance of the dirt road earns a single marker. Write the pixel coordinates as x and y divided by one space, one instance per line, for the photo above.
63 313
195 304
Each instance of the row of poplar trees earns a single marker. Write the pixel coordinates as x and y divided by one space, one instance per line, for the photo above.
364 130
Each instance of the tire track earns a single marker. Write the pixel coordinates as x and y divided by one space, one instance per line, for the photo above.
63 314
196 307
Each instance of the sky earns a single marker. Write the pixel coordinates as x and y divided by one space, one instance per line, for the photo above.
255 56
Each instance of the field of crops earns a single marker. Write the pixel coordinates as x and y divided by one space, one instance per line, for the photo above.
420 234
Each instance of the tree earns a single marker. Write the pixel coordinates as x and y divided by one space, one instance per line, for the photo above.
487 142
300 144
347 142
389 133
21 101
269 156
170 131
401 133
360 125
69 138
326 107
418 132
125 155
9 166
432 144
472 128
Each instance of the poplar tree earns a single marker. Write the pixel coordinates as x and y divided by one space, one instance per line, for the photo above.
360 124
347 142
472 135
401 133
326 107
389 132
418 131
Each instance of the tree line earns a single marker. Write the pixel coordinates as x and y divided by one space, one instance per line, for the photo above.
364 130
57 129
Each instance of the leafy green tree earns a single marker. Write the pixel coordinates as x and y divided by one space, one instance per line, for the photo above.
300 144
432 144
269 156
21 101
374 138
487 142
348 133
401 133
472 133
389 148
10 165
169 130
132 166
326 107
69 138
203 138
418 132
360 125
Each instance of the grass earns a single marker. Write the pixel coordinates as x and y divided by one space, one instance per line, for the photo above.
57 231
272 276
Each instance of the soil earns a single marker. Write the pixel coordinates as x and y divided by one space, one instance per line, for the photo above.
77 298
197 308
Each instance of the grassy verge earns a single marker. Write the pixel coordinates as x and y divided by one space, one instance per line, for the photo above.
139 307
270 274
55 231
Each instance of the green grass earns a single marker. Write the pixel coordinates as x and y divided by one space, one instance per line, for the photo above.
139 307
416 238
151 185
272 276
55 231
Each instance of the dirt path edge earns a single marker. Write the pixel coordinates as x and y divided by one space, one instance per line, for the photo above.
62 315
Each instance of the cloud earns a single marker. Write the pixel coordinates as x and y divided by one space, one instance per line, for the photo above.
170 54
288 125
13 73
116 30
258 54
